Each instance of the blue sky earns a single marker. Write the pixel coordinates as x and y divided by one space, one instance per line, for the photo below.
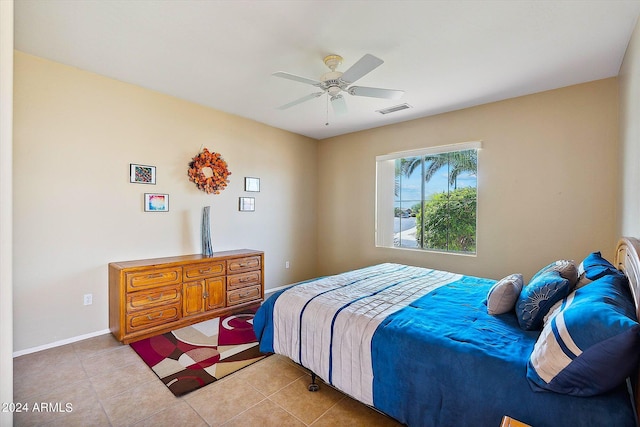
410 186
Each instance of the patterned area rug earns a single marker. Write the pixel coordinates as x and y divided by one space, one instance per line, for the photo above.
192 357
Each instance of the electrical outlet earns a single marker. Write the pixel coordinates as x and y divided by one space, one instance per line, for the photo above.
88 299
286 264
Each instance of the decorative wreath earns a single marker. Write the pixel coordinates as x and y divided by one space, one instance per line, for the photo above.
209 171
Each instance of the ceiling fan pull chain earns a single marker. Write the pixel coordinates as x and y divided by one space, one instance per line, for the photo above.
327 122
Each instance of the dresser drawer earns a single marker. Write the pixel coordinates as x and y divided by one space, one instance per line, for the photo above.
153 298
243 280
201 271
149 318
157 277
240 265
241 295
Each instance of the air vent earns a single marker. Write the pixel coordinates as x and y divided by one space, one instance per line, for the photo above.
394 109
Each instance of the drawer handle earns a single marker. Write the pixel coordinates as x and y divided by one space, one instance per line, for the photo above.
155 276
205 271
243 264
150 317
205 295
245 279
150 298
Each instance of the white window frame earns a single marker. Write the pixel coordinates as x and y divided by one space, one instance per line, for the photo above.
385 179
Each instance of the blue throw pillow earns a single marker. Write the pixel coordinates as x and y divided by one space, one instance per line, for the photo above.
538 297
594 267
591 344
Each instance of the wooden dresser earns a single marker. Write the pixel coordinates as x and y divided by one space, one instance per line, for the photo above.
152 296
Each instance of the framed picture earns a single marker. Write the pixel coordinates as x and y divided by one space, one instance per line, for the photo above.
247 204
154 202
142 174
251 184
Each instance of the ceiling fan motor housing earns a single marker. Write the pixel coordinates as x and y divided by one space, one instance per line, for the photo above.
331 82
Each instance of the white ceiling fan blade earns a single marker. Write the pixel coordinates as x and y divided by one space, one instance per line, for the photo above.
375 92
295 78
365 65
339 105
300 101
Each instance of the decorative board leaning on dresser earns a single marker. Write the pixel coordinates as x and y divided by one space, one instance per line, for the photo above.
152 296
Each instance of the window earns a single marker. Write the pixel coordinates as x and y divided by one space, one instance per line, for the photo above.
427 199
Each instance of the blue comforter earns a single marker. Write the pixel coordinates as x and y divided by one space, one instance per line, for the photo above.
437 360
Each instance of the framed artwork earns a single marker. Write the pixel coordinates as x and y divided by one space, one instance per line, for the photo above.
142 174
251 184
154 202
247 204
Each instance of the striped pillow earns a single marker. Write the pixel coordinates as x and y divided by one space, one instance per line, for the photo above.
590 344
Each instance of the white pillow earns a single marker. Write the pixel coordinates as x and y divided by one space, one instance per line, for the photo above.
503 295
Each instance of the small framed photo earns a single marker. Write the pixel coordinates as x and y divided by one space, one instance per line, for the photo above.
247 204
154 202
251 184
142 174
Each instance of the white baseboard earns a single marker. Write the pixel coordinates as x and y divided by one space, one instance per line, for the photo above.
59 343
269 292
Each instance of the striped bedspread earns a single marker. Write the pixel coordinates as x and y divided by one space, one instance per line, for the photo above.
332 320
419 345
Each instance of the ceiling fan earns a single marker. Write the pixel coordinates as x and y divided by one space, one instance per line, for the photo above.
334 82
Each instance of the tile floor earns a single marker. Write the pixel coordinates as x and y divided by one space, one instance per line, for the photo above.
107 384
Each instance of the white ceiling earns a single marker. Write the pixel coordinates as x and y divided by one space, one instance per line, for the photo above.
445 55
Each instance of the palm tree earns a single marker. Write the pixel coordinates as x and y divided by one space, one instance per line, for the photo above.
458 161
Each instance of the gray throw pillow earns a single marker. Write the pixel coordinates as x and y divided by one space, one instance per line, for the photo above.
503 295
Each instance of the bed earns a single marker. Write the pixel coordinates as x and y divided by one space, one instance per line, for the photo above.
420 345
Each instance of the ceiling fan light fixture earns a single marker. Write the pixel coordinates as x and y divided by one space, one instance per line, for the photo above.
333 90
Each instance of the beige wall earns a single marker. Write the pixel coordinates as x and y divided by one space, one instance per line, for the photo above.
75 211
629 78
546 182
